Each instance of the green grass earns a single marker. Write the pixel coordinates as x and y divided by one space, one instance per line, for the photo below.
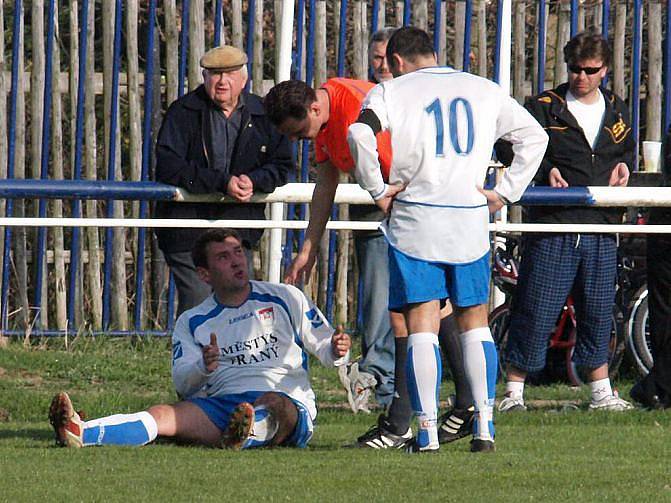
545 454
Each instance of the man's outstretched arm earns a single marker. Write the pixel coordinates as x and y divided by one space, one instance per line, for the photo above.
320 211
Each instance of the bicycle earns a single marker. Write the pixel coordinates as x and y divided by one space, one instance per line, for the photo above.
561 345
632 298
638 333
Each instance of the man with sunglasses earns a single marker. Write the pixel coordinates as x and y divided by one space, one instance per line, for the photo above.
591 143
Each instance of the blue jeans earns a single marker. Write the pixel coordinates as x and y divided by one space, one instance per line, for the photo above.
377 343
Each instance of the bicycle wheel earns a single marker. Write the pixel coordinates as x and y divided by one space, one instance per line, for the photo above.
641 335
499 323
637 334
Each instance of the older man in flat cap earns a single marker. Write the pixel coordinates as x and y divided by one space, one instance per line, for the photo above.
216 138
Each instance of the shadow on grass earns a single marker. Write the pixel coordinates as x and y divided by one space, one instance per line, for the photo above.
26 433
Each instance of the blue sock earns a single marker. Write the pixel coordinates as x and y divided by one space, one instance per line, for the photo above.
121 429
424 372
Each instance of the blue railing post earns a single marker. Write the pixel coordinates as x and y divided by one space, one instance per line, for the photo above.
183 47
111 162
540 75
605 18
497 43
574 17
17 36
77 173
406 13
605 21
437 12
341 39
636 73
217 23
44 166
251 16
309 78
667 70
333 237
375 16
146 159
296 73
466 57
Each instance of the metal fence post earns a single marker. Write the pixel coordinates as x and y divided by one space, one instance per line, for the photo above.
275 254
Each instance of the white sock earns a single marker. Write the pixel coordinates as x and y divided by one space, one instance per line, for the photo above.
424 372
264 430
121 429
600 389
515 389
481 366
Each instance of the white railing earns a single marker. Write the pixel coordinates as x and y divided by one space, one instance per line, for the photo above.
353 194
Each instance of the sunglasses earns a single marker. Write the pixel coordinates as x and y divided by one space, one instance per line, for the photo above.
589 70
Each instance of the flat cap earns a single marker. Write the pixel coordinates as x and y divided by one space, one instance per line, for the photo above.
225 57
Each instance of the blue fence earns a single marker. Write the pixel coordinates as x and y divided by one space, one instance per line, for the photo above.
153 52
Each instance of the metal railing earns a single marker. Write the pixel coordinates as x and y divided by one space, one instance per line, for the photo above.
293 193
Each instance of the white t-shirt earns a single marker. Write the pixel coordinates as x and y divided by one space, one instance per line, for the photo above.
263 345
589 117
443 127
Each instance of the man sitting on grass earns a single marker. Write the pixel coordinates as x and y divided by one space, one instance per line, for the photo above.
239 364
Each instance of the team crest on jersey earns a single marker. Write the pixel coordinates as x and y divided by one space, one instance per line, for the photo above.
267 318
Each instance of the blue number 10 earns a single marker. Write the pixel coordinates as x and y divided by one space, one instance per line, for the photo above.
437 111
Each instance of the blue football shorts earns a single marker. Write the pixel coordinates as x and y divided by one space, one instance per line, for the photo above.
219 408
412 281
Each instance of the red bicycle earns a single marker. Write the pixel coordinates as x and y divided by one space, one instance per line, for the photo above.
561 345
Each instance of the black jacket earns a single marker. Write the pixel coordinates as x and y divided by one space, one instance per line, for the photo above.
183 151
569 151
662 214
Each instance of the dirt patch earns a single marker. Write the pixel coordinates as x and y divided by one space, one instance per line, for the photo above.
23 377
29 378
4 415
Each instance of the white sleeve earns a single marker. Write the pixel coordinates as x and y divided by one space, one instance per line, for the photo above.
315 333
363 146
516 125
188 368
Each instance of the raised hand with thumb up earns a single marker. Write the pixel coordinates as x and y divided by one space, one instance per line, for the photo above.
211 354
340 342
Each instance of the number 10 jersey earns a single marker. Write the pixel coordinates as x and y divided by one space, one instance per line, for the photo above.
443 126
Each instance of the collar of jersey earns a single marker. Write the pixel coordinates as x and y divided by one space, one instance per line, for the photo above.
228 306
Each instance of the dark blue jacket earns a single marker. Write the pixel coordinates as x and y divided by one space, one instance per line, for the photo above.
183 153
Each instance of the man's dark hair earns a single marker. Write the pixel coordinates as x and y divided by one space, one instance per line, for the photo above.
409 43
289 99
587 45
199 250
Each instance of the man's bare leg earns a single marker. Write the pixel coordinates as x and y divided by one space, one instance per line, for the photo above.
183 420
284 414
186 421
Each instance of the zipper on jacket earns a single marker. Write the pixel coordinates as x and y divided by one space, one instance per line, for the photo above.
202 138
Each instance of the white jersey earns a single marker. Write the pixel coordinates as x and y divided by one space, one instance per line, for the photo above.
263 345
443 127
